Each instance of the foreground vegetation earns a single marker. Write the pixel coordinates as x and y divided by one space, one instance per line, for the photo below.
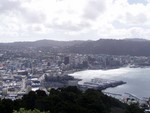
66 100
22 110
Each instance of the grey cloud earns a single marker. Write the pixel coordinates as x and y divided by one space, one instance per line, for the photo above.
35 28
119 25
136 32
94 8
29 16
136 19
69 26
33 16
9 5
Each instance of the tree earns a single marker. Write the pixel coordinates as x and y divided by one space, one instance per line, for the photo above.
134 109
29 100
6 106
22 110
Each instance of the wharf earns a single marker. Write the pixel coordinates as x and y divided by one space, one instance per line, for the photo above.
101 84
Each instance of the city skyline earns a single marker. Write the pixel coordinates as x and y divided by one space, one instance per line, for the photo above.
31 20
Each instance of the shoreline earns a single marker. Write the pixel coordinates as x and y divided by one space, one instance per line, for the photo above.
123 73
106 69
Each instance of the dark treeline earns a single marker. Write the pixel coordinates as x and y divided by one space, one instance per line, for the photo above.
68 100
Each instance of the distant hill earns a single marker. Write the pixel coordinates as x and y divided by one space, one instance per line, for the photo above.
135 39
43 43
134 47
113 47
40 44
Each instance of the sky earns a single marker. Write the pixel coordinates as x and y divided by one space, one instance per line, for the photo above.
30 20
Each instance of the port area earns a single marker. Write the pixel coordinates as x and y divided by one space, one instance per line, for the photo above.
128 98
100 84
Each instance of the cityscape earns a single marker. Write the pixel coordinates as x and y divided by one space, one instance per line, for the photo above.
24 71
74 56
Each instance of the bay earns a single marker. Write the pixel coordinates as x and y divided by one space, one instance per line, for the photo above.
138 79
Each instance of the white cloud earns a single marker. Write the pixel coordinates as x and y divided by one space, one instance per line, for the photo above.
73 19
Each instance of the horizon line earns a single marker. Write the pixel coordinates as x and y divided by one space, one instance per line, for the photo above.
72 40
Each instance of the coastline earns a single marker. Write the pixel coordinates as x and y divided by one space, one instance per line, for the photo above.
132 77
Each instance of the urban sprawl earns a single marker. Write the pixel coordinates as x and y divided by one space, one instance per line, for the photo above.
23 71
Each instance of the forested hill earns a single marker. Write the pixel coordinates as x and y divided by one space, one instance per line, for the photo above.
113 47
134 47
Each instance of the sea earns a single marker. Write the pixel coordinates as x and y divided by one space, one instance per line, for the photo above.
137 79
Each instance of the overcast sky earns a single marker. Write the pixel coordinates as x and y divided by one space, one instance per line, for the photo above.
29 20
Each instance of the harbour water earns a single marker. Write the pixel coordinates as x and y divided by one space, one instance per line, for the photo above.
138 79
